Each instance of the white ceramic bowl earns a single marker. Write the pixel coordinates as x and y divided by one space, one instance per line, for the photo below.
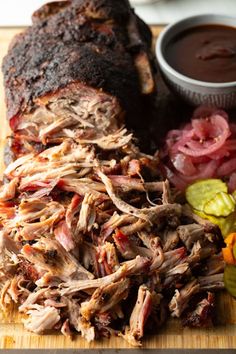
194 91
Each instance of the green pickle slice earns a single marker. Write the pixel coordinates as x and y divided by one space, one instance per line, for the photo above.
201 192
230 279
234 250
234 195
222 204
226 225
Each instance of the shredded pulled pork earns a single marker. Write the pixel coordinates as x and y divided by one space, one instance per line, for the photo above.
41 318
93 241
139 316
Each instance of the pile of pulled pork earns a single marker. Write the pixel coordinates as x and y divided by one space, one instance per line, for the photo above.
93 241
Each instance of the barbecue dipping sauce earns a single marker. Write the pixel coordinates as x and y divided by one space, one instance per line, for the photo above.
205 53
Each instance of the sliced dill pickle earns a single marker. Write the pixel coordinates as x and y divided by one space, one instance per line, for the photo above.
222 204
230 279
226 225
217 221
234 195
201 192
234 251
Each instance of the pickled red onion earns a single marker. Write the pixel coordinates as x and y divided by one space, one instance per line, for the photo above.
232 183
204 148
206 141
227 168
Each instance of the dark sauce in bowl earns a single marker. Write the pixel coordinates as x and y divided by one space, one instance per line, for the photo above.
206 53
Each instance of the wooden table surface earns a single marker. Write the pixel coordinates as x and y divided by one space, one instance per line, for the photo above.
172 335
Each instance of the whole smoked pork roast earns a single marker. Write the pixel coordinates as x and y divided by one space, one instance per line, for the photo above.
81 69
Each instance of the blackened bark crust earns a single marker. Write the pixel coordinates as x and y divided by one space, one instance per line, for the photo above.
76 41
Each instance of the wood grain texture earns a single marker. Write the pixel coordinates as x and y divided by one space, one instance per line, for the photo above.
13 335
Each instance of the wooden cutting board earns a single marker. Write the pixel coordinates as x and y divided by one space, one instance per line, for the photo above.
13 335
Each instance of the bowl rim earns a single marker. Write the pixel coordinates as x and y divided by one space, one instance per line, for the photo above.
164 65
